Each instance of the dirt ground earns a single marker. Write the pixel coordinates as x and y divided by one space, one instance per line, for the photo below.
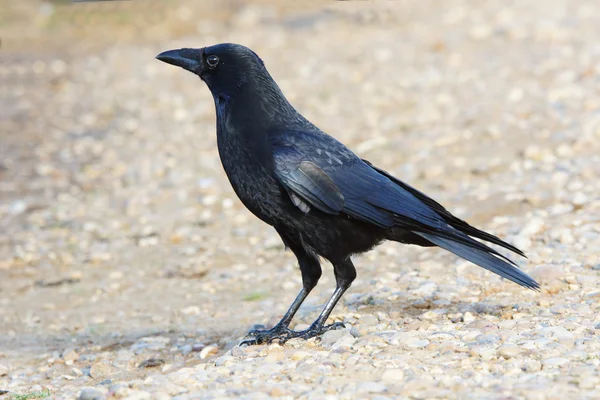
129 268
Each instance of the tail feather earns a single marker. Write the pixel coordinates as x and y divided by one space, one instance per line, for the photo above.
456 236
482 257
451 233
450 219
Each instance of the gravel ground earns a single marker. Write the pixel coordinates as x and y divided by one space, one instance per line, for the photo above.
129 269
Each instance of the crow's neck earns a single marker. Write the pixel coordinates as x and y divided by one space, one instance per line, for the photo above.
245 118
258 101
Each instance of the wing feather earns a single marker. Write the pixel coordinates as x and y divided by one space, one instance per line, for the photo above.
318 171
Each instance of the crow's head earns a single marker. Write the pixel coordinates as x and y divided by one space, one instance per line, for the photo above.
224 67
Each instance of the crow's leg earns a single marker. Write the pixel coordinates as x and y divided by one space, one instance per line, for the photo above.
311 272
345 273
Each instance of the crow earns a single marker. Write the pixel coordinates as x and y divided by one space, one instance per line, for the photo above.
321 198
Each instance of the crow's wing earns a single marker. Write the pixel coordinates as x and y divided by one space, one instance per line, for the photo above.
325 174
308 181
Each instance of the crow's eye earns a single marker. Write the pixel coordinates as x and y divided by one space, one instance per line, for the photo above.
212 61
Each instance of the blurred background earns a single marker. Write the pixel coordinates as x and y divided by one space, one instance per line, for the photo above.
121 239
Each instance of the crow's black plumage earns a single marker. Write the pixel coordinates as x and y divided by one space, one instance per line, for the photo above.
323 200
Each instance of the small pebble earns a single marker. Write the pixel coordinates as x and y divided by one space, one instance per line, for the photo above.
237 351
556 361
91 394
208 351
332 336
392 375
416 343
100 370
370 387
368 320
509 351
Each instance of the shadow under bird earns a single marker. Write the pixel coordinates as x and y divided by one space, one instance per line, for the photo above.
321 198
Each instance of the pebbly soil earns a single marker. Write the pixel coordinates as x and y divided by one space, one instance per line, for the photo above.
130 270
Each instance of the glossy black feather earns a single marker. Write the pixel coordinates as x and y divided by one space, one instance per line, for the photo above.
372 195
322 199
449 218
506 269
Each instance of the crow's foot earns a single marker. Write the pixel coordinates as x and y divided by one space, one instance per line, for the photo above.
261 336
283 334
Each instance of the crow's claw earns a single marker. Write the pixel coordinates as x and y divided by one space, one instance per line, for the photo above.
256 330
333 327
282 334
261 336
249 342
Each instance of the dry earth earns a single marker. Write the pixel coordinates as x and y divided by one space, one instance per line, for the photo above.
129 269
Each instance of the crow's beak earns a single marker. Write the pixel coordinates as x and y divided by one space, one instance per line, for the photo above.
189 59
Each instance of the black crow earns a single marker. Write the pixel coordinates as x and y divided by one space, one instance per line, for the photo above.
321 198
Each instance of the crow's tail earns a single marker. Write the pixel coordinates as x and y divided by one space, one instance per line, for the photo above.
480 254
